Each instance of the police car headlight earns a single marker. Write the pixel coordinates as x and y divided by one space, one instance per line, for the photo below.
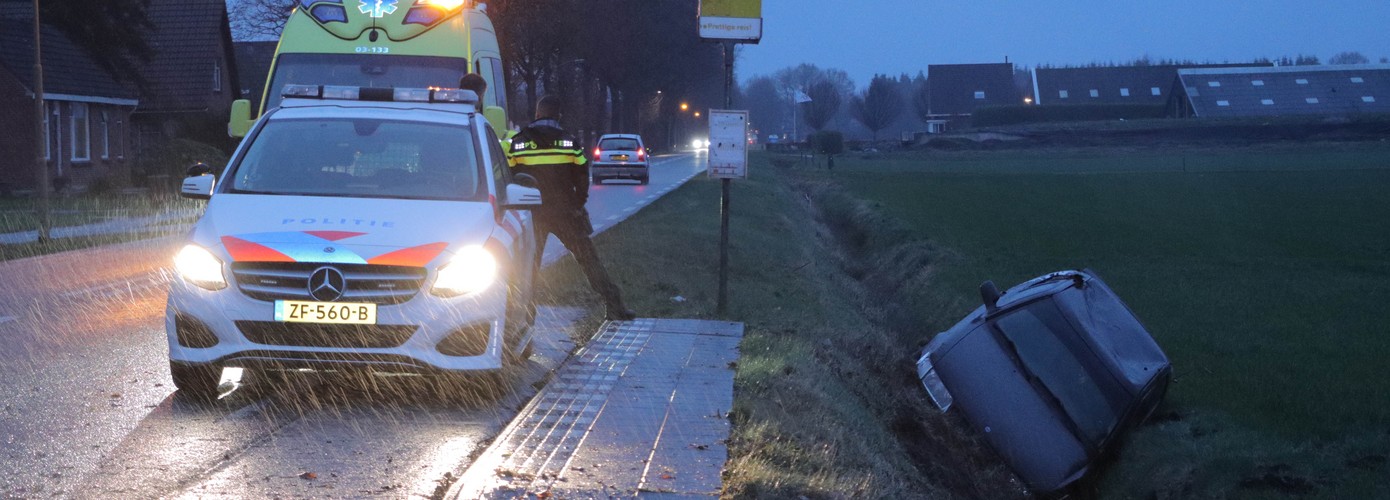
200 267
472 270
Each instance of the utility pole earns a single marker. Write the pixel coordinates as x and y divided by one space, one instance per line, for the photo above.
41 138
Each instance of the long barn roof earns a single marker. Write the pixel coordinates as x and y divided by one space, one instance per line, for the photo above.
1288 90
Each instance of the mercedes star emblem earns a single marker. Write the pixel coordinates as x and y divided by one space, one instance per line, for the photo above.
327 284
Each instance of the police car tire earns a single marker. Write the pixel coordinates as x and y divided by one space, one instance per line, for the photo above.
644 179
598 180
194 380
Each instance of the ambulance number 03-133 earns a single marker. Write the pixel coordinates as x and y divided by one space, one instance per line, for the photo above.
373 50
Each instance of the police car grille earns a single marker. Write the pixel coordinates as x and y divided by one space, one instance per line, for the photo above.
365 283
332 336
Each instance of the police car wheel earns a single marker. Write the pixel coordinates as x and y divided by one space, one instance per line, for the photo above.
598 180
643 181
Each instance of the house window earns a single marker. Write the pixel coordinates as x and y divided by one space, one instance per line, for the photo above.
1223 103
216 77
979 94
47 138
1213 84
1312 100
1267 102
1095 93
81 133
1301 81
1062 94
1357 79
1368 98
105 135
1257 83
1156 91
1124 92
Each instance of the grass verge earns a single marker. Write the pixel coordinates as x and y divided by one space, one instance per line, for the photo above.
18 215
826 405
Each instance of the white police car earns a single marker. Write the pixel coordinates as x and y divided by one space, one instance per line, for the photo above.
356 227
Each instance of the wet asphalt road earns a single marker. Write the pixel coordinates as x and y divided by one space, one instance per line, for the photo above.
87 409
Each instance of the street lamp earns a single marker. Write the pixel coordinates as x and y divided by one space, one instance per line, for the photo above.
685 106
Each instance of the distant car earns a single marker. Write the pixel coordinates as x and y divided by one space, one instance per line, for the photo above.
382 232
620 156
1052 372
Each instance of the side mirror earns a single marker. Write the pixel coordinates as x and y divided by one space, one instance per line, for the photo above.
198 187
198 169
498 118
526 180
522 198
240 122
990 294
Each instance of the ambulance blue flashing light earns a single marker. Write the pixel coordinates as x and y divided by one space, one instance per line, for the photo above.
348 93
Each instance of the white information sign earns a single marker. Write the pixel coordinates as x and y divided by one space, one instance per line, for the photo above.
731 28
728 144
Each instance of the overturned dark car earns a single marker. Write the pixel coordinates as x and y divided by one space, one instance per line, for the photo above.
1052 372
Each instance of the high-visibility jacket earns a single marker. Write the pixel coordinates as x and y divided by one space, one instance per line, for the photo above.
557 161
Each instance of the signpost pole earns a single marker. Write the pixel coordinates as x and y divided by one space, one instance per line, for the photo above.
724 187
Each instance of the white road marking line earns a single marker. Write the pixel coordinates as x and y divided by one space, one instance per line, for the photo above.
629 209
7 319
612 217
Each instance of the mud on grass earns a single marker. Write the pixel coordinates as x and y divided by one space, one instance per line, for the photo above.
826 401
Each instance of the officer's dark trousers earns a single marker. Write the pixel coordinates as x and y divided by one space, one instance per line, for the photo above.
571 231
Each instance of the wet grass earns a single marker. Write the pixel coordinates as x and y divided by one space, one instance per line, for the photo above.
825 401
1262 274
19 215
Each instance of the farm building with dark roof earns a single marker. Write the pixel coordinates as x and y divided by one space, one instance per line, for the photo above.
1284 91
957 90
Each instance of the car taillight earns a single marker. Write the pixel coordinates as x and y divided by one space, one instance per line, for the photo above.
598 153
641 153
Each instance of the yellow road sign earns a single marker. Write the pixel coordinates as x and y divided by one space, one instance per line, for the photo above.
731 8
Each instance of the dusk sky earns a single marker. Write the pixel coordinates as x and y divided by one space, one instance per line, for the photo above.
897 36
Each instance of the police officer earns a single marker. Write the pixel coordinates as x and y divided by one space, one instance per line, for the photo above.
477 84
543 150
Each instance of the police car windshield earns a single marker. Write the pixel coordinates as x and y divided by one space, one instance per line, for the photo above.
364 70
365 158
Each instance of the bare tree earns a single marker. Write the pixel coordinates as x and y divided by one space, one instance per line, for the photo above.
1349 58
825 102
259 19
880 106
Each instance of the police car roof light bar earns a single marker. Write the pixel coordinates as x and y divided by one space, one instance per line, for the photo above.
349 93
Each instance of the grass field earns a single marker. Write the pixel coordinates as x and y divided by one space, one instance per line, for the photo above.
1262 273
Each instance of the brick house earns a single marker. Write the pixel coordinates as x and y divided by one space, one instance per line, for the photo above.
87 112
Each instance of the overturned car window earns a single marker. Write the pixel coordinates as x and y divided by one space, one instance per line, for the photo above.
1051 350
361 158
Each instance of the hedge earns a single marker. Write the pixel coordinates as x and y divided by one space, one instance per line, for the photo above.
1013 115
